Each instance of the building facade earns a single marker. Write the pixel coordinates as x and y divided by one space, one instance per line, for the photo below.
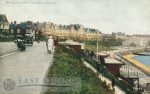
137 41
75 31
4 24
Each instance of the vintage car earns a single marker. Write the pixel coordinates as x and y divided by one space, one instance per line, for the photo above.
28 39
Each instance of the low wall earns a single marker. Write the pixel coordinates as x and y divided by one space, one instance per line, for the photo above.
135 50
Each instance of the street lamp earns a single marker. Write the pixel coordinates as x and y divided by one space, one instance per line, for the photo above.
97 46
97 50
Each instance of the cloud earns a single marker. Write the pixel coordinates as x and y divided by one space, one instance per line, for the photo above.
129 16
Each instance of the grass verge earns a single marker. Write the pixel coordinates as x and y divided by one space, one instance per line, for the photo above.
67 63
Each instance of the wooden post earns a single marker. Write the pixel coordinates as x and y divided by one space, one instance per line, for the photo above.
128 73
131 71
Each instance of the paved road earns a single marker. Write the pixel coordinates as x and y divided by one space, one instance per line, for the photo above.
23 72
7 47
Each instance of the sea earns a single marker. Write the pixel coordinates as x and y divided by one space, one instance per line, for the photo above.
143 59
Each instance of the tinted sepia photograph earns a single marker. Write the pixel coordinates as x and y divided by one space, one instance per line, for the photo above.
74 46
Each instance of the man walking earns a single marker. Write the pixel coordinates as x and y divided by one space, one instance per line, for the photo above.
50 44
113 83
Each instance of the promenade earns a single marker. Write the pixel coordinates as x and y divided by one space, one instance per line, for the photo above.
138 64
133 68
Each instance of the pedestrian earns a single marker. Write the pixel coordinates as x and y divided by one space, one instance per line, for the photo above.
92 54
38 39
98 65
103 70
50 44
113 83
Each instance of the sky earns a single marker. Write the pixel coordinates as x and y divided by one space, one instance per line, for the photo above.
127 16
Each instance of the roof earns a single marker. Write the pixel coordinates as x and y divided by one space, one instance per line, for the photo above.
70 42
102 54
22 25
3 18
12 26
109 60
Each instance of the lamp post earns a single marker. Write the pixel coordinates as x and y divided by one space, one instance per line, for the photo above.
97 50
97 46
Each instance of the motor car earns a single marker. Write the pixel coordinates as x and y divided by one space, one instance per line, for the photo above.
28 40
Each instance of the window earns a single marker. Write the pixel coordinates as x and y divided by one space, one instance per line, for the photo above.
6 26
28 30
1 26
18 30
12 30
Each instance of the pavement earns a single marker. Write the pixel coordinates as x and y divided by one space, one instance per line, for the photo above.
140 69
132 70
137 63
24 72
